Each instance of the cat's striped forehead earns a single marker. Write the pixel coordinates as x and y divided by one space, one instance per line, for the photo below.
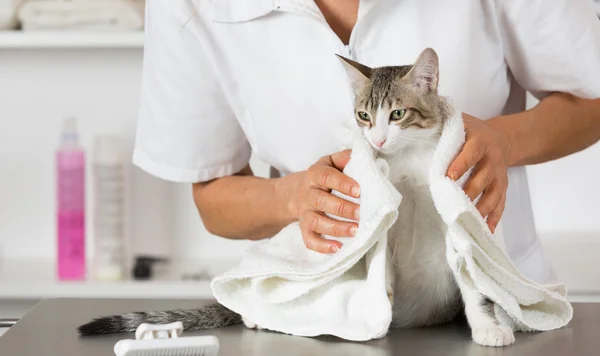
383 87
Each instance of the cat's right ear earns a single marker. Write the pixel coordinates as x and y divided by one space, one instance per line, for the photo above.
425 72
359 74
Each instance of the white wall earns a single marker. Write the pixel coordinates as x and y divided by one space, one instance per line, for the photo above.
101 88
38 88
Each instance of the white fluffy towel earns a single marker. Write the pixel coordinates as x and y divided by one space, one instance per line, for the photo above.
282 286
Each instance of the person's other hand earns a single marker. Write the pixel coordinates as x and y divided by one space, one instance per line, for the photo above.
485 149
313 198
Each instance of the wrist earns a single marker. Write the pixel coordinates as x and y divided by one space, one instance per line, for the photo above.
286 194
502 127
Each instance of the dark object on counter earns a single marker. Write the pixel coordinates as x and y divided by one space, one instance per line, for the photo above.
7 323
143 266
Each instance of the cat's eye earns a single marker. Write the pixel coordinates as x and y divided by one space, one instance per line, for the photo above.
397 114
363 116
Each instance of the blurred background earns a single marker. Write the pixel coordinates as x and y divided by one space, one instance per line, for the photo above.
83 59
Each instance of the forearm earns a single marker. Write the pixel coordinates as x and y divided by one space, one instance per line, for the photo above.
559 125
245 206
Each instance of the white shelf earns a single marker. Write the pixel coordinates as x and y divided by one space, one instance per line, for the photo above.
64 39
573 255
125 290
36 280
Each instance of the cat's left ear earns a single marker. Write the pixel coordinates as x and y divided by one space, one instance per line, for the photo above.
359 74
425 72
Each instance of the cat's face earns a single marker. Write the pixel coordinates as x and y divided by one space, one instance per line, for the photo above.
397 107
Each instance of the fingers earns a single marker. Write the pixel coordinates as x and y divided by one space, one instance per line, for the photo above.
330 178
490 199
496 214
328 203
314 242
485 149
493 185
322 224
315 197
339 160
470 155
314 224
478 182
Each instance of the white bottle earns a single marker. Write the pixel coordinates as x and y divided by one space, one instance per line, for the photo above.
109 209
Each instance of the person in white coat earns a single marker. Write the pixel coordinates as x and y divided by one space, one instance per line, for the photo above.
224 79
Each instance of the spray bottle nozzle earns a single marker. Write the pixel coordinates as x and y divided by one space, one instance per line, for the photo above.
69 134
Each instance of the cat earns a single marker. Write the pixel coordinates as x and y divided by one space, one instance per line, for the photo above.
401 115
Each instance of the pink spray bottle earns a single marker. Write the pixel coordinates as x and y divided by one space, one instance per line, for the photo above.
70 169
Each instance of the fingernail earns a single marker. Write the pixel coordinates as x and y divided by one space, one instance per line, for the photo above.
353 230
357 214
453 175
356 191
334 248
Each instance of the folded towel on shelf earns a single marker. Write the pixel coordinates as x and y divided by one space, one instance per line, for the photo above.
285 287
8 14
95 15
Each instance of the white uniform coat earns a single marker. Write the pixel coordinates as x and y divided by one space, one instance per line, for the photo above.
226 78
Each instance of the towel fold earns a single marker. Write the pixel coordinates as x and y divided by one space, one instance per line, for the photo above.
478 257
283 286
95 15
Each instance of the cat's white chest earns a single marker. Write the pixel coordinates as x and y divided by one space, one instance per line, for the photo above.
411 166
424 287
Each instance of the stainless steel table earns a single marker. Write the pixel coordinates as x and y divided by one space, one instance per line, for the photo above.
49 329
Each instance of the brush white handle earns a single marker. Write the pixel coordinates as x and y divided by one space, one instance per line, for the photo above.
161 331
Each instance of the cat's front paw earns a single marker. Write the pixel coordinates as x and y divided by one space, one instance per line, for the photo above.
493 336
250 324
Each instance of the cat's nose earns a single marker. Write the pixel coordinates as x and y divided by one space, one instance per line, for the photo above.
380 143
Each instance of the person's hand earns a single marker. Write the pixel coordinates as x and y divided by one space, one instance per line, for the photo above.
313 199
486 149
